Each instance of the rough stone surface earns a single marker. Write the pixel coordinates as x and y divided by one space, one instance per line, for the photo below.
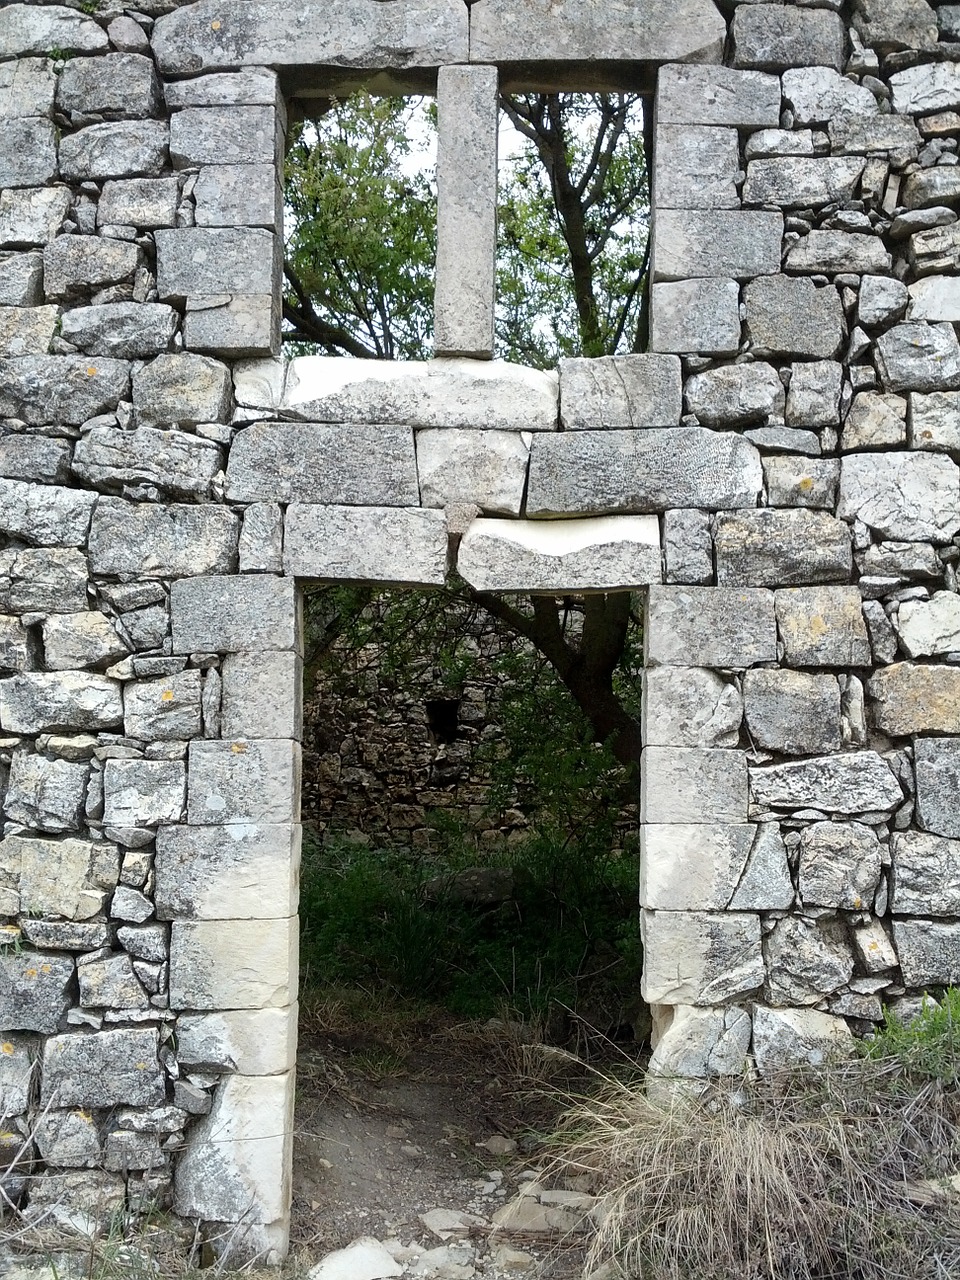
770 547
134 148
29 157
855 782
792 711
240 871
182 465
700 1043
383 544
68 878
734 395
927 628
929 951
710 627
159 710
817 94
784 1037
700 959
875 420
143 793
913 698
181 389
796 182
61 389
38 702
773 37
791 316
44 794
216 965
116 85
697 167
34 990
103 1069
50 580
937 765
162 541
714 95
126 330
211 613
839 865
822 627
29 29
696 315
908 496
926 874
618 392
919 357
487 469
31 216
692 784
935 421
714 867
46 515
138 202
796 481
734 244
252 1042
689 707
262 694
687 547
814 397
245 780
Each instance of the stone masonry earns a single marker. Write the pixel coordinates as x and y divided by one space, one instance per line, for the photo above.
779 475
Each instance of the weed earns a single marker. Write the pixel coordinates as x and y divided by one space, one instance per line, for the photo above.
928 1045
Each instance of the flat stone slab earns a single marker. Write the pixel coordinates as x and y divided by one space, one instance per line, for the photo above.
694 958
231 964
235 614
855 782
487 469
773 547
710 626
252 1042
714 867
551 556
366 544
714 95
620 392
734 243
910 496
162 541
693 784
239 871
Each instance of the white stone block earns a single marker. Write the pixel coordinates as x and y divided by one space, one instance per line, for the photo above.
700 1043
233 964
143 793
235 614
252 1042
487 469
692 958
366 544
689 707
710 626
714 867
784 1038
692 784
262 695
240 871
243 781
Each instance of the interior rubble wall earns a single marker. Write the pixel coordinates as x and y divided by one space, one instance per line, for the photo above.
779 473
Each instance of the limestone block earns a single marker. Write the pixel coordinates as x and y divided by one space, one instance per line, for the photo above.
143 793
32 215
127 330
181 389
44 794
313 462
919 357
709 627
27 331
687 547
926 88
714 95
139 202
817 94
465 282
251 1042
130 905
874 947
792 711
164 709
601 472
73 265
45 515
890 25
930 627
875 420
902 560
729 243
16 649
930 188
130 149
436 393
912 698
909 496
266 33
617 392
802 482
236 1167
261 538
182 465
39 701
69 877
832 252
935 421
799 182
700 1043
262 695
839 865
779 142
934 298
243 325
235 614
162 541
696 167
926 874
253 86
806 961
734 395
714 867
822 627
772 547
551 556
233 964
52 581
103 1069
62 389
224 135
584 30
29 156
238 195
199 261
791 316
937 763
111 983
929 951
852 783
487 469
689 707
772 37
699 958
115 85
243 781
27 28
881 300
367 544
240 871
65 935
16 1074
21 279
788 1038
696 315
692 784
31 456
35 990
26 88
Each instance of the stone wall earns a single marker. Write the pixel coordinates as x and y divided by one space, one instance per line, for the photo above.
780 472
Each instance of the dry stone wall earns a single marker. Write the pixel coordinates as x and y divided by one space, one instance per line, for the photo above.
780 473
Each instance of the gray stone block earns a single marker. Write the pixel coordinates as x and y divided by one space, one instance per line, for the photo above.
235 614
241 326
116 85
926 875
29 156
929 952
735 395
692 784
16 648
27 456
261 538
26 88
45 515
687 547
224 135
937 764
775 37
726 242
834 252
238 195
324 463
788 316
129 149
164 709
881 299
252 87
162 541
76 265
179 464
802 482
72 640
35 989
714 867
16 1075
366 544
49 580
934 298
244 871
31 216
890 25
143 793
696 167
770 548
21 279
27 331
111 983
926 88
787 1038
181 389
40 702
487 469
919 357
904 495
848 784
797 182
817 94
822 627
913 698
696 316
702 1043
618 392
709 627
126 330
203 261
694 958
603 472
33 29
893 135
714 95
807 960
45 794
103 1069
689 707
927 628
875 420
792 712
249 1042
247 780
139 202
262 696
464 298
